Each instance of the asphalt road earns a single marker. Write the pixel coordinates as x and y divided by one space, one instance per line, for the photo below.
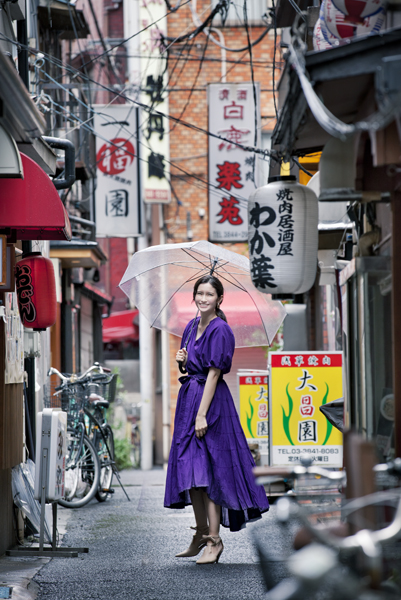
132 547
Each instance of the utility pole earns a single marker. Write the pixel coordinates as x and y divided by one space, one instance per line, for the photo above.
165 343
147 382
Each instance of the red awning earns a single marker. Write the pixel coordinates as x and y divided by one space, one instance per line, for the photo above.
120 327
32 206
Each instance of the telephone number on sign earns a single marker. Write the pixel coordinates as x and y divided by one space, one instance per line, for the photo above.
229 235
308 450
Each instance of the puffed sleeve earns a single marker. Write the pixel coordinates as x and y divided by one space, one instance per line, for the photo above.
218 347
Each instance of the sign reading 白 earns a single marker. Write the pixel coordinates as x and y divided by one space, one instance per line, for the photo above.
232 170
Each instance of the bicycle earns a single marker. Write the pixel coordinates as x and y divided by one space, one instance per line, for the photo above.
90 462
329 565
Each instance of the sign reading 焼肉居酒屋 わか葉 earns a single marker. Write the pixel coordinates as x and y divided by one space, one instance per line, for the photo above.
233 173
300 382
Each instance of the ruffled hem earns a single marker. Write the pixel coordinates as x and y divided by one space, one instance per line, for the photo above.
235 520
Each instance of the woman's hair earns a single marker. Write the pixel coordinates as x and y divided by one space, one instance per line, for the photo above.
218 286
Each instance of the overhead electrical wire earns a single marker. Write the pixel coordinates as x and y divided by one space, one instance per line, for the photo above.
131 37
214 189
217 43
192 89
146 108
273 16
255 137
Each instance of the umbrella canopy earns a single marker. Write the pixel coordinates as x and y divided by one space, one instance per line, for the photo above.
159 278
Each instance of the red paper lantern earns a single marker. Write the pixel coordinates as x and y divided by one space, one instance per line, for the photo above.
36 291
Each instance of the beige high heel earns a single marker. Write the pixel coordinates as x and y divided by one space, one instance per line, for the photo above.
198 542
213 550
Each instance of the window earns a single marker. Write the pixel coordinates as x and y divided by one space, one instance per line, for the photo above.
255 8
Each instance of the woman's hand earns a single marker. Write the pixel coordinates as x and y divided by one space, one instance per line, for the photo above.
182 356
200 426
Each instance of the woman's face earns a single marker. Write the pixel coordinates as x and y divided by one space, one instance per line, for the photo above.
206 299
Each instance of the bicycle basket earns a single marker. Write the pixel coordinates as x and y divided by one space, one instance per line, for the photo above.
103 385
70 399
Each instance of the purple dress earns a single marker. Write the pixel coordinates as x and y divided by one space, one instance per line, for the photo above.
220 462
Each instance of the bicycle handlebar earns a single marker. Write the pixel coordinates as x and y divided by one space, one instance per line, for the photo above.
73 378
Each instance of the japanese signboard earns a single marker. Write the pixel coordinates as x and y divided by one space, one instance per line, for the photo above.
254 414
232 170
117 200
155 125
300 382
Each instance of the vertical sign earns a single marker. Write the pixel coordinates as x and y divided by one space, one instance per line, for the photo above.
300 382
232 171
253 405
117 198
155 125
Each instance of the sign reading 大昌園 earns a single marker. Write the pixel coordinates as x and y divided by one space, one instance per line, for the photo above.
300 382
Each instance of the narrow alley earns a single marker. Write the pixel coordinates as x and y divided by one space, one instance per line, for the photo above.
132 547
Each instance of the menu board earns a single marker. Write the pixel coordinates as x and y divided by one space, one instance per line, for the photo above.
14 372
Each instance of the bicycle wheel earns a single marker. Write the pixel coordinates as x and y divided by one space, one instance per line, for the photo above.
82 473
104 445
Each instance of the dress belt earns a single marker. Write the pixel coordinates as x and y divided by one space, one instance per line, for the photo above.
200 378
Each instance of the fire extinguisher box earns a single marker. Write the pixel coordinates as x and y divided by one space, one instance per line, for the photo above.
51 449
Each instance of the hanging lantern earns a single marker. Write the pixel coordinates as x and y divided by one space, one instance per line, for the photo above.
356 11
283 236
341 27
320 41
36 291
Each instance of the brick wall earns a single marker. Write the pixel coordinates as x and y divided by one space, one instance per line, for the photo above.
188 148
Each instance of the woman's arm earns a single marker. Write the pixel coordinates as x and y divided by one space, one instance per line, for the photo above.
208 393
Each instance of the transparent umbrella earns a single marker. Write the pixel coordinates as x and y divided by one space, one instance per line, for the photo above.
159 282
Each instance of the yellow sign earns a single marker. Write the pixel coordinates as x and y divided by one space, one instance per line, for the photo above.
300 382
253 400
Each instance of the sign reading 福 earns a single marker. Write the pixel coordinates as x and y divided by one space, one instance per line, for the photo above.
117 200
232 170
300 382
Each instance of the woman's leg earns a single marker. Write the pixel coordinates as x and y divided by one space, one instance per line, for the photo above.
202 527
198 504
213 514
214 547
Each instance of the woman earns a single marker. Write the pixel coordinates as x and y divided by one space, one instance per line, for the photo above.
210 464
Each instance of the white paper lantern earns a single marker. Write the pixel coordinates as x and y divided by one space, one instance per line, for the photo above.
283 236
320 38
340 27
356 11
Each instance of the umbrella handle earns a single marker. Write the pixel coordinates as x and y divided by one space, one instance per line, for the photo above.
182 369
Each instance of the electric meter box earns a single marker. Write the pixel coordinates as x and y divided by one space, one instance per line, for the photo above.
51 449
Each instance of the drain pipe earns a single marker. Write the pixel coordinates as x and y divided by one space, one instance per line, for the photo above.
69 161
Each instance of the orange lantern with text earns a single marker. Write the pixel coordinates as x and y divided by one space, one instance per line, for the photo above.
36 291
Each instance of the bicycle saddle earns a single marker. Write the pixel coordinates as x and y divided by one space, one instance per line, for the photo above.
102 403
96 400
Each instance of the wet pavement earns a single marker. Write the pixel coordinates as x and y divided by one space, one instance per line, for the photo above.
132 547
